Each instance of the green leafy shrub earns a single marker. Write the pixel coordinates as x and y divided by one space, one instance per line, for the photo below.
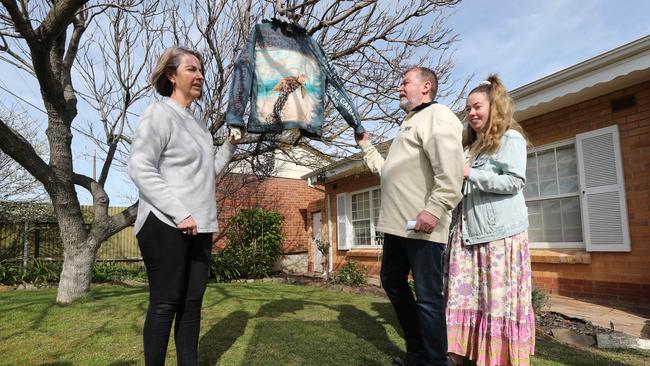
351 274
539 299
43 271
254 240
141 275
110 271
224 267
10 273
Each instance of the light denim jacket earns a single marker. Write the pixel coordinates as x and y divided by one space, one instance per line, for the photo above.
493 204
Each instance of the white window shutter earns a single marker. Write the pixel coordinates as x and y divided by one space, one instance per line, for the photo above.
604 210
343 225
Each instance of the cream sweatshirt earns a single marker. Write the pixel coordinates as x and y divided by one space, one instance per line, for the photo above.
422 171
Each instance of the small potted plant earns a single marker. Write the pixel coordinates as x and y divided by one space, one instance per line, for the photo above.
324 248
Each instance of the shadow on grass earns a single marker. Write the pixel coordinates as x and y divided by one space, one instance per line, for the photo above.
56 364
548 349
299 342
216 341
367 328
209 300
102 292
360 338
387 313
123 363
277 308
40 317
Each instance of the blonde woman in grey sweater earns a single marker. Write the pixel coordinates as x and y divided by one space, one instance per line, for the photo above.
174 165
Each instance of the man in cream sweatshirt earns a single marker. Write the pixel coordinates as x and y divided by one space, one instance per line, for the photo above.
421 181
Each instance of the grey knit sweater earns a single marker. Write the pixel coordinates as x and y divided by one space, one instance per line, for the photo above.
174 165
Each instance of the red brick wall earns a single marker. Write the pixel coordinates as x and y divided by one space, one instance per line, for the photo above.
289 197
611 276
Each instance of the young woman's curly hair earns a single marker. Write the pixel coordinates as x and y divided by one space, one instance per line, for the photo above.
501 119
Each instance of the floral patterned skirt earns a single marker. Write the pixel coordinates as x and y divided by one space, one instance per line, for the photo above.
490 317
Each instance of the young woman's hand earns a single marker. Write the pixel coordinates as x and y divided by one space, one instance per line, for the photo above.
466 170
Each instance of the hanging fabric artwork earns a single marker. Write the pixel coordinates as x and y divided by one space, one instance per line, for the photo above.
286 75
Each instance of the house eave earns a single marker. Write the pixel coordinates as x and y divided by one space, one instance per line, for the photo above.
329 174
343 168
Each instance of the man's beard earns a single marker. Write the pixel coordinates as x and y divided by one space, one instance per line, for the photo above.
405 104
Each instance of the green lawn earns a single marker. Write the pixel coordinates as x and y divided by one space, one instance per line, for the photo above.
243 324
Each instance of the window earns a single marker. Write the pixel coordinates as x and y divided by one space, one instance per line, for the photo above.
575 194
365 212
552 196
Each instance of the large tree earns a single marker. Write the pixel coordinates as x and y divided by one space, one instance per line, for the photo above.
102 53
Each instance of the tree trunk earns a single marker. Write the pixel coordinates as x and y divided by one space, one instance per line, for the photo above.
77 272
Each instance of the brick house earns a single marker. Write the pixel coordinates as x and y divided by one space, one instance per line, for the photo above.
284 192
588 181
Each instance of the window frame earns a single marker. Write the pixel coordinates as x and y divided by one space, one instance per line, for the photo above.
373 228
581 245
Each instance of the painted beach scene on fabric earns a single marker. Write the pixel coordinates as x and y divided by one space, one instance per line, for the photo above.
288 86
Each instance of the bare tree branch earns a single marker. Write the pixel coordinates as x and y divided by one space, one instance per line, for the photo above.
16 146
343 16
20 20
58 18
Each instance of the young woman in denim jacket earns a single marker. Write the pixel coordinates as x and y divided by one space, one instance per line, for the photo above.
490 318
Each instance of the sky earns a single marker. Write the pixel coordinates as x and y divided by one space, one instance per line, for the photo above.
522 41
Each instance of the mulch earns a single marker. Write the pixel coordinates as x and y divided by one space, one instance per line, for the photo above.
549 320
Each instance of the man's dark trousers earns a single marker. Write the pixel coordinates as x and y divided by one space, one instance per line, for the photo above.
423 320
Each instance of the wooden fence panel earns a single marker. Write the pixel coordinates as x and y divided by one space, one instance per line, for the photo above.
44 241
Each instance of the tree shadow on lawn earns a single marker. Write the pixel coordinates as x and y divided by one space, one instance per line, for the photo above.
210 300
368 328
221 336
105 291
42 314
387 313
277 308
360 338
296 341
254 292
